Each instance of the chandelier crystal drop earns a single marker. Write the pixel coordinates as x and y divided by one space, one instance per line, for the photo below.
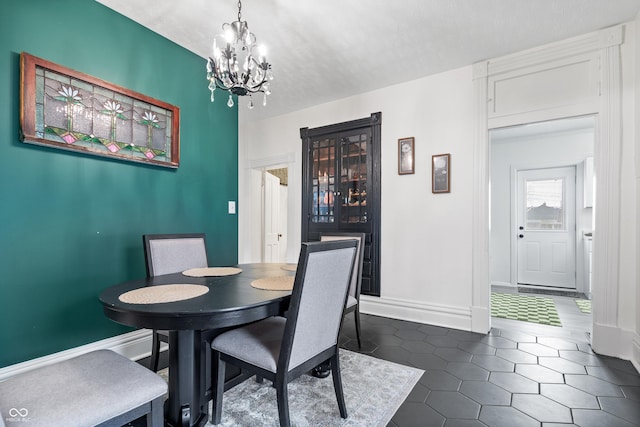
234 66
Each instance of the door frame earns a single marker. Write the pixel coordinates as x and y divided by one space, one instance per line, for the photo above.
263 215
607 108
514 220
288 161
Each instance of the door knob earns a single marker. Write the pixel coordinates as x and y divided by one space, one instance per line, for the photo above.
521 236
521 228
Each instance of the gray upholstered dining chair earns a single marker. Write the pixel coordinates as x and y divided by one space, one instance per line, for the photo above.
171 253
353 302
281 349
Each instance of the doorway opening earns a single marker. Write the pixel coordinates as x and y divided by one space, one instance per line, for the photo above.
269 219
274 214
542 217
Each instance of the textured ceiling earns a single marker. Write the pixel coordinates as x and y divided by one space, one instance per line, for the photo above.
329 49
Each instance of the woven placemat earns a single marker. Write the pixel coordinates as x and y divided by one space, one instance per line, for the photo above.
163 293
275 283
212 271
290 267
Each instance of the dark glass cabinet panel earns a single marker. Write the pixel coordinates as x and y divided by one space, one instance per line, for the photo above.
354 171
323 160
341 187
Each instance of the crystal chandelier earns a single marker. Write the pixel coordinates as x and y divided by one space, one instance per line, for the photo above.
234 66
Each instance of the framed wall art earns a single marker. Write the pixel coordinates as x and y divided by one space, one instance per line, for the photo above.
441 173
74 111
406 156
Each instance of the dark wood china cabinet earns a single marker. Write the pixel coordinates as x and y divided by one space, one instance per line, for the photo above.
341 187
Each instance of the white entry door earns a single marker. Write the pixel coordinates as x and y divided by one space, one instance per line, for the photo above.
546 227
271 220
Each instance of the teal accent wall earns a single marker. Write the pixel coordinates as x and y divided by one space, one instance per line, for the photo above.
71 224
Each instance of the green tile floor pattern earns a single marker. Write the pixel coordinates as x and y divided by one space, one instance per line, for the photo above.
527 309
584 305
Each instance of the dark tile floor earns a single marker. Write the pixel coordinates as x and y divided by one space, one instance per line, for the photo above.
520 374
505 378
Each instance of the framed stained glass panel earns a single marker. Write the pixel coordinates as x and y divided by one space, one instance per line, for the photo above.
71 110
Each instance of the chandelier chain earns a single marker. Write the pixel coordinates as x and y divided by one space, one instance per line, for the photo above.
239 11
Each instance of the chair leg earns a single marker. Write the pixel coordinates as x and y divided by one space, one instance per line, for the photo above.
337 384
356 315
283 402
155 352
217 386
155 418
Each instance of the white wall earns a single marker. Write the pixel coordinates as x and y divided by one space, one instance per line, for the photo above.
425 238
546 150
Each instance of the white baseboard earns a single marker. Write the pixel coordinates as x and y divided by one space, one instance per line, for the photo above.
432 314
134 345
615 342
480 319
635 352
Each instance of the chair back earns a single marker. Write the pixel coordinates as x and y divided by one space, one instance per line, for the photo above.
356 277
174 253
317 301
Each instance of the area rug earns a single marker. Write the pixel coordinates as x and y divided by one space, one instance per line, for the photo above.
527 309
584 305
373 390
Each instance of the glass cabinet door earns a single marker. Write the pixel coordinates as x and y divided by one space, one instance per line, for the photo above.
354 172
341 187
323 158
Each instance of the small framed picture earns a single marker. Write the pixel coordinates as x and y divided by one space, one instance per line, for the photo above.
406 156
441 173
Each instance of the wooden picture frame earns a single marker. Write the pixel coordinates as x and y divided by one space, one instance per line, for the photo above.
441 173
70 110
406 156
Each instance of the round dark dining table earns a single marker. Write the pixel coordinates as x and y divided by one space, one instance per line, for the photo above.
230 301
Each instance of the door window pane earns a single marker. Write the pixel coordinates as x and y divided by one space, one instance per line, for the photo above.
323 154
353 178
545 204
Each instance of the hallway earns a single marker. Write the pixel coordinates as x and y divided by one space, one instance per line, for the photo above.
575 324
